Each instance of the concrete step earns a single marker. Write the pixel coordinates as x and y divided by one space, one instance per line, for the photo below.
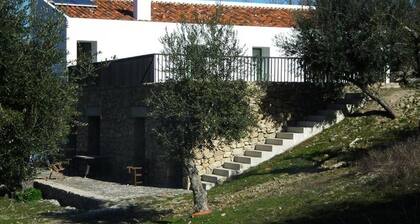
207 185
274 141
318 118
328 112
315 125
331 114
284 140
223 172
286 135
264 147
345 108
353 96
253 153
339 106
303 130
233 166
212 178
245 159
309 123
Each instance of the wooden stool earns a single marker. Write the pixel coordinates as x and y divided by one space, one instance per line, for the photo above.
136 174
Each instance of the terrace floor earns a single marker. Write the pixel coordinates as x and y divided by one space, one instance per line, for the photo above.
88 193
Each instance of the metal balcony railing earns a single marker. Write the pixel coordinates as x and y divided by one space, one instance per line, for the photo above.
156 68
271 69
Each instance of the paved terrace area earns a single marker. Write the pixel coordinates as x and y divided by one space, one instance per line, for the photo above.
88 193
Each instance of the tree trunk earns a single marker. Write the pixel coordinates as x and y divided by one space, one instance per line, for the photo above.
199 194
379 100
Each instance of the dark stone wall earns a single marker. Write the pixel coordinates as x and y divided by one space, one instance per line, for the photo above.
116 108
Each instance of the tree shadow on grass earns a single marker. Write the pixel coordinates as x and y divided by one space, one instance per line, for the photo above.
370 113
128 214
402 209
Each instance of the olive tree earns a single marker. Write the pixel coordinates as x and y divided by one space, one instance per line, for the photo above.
405 17
36 102
355 41
199 102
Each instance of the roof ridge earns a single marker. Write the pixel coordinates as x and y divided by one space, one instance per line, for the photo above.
233 4
167 11
229 6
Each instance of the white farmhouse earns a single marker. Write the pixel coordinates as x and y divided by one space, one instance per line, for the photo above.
127 28
118 134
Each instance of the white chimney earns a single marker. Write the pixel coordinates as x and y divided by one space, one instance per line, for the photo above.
142 9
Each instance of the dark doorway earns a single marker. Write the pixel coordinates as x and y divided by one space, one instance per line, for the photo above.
261 63
257 59
140 147
94 125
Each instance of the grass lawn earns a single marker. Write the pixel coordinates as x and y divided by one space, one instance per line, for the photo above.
25 212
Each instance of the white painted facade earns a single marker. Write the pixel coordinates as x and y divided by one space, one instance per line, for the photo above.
132 38
124 38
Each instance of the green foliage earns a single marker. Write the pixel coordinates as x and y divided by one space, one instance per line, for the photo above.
85 73
402 30
192 113
356 41
197 104
30 194
202 51
36 102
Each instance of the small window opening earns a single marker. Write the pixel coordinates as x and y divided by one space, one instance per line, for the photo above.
87 50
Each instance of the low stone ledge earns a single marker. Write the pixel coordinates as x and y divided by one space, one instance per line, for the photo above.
68 196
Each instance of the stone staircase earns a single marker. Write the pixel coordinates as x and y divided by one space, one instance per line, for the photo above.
284 140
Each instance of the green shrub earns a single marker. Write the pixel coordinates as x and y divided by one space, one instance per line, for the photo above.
30 194
397 164
36 104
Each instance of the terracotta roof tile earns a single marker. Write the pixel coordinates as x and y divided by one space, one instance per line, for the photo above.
172 12
247 16
106 9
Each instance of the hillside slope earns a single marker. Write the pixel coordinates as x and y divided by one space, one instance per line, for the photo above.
320 180
335 177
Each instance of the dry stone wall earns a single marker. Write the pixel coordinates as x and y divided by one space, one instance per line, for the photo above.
208 159
274 104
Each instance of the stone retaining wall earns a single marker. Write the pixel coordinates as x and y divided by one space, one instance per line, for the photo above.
69 197
274 104
118 107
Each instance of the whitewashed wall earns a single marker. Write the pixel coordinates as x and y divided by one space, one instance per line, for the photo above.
132 38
